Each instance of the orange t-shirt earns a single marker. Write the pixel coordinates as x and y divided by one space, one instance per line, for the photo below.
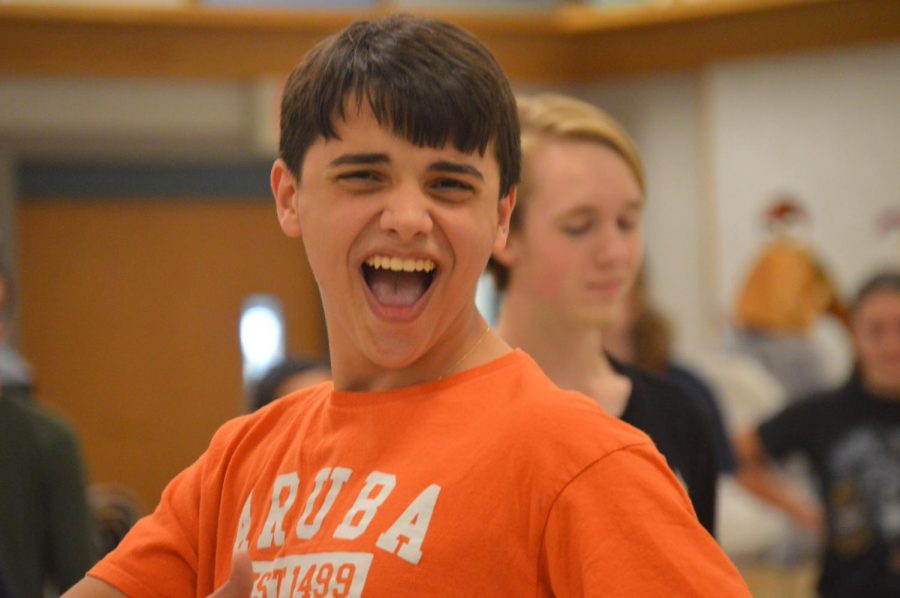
492 482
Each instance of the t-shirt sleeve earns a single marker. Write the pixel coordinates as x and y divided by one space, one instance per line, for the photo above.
785 432
158 556
624 527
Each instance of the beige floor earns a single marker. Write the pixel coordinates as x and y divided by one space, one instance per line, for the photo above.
767 581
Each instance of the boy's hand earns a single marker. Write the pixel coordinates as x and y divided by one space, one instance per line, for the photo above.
240 584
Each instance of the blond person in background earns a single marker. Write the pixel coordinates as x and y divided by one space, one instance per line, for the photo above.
851 437
440 462
573 254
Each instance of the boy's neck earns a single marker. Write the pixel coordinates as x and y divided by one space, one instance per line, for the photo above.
470 344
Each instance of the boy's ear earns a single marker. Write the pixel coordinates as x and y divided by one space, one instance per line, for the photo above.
504 213
284 188
504 250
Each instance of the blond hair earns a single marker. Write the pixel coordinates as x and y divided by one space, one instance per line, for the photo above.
547 117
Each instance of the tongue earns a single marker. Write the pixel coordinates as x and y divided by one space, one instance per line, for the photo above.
397 289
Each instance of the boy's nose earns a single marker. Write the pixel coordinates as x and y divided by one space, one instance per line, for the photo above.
407 214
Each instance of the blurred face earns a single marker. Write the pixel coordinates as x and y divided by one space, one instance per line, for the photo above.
301 380
580 243
396 236
876 336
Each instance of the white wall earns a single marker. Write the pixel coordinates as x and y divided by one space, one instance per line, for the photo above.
67 117
825 126
718 143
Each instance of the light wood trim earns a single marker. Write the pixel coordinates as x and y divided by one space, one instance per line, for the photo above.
567 44
684 37
216 43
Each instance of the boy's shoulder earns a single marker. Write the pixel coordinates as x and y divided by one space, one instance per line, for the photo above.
277 415
509 399
558 417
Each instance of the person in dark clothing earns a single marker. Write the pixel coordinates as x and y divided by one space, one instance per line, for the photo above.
672 417
851 437
575 247
643 336
46 533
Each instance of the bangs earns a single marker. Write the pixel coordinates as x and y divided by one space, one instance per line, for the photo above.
428 118
432 112
428 82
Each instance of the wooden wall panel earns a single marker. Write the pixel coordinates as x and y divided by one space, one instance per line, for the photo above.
130 318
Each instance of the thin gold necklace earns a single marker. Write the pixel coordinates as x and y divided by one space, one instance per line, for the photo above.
481 338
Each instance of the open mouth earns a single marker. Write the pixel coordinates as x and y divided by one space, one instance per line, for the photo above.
398 282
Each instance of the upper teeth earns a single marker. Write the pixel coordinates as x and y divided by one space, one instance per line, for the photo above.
397 264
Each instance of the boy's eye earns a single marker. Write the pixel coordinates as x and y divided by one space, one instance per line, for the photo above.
451 185
359 177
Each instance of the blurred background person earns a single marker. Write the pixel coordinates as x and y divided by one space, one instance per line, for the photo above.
788 296
290 374
643 336
574 250
115 508
15 373
46 537
851 438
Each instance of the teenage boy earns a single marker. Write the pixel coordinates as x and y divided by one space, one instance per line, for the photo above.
439 462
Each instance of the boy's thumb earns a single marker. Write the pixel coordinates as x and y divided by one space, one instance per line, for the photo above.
240 583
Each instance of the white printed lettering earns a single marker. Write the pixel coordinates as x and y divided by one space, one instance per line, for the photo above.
333 574
378 487
408 532
242 538
338 475
272 530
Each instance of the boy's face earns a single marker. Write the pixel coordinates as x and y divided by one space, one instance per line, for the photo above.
579 246
876 336
397 237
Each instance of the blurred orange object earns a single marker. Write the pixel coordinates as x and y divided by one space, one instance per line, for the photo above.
786 291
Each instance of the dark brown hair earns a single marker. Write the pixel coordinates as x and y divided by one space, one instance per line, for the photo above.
886 280
430 81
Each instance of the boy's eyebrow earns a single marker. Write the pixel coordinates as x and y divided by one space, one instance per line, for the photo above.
360 159
456 167
441 166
